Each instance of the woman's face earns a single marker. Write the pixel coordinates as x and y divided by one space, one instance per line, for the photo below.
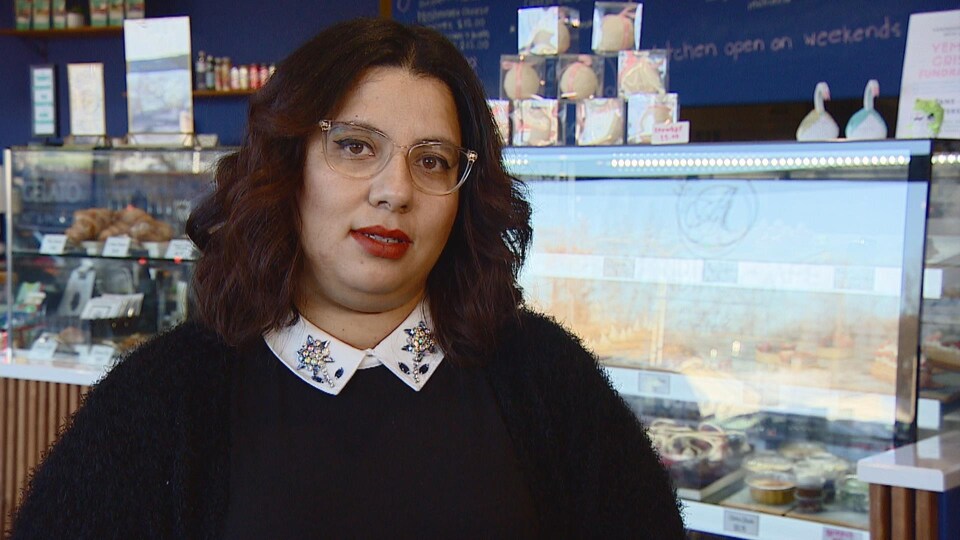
369 243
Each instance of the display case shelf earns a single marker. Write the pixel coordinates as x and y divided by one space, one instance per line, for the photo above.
741 523
717 273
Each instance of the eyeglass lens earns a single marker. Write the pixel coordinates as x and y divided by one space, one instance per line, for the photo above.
436 167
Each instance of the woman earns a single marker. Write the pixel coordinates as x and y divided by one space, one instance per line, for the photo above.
360 364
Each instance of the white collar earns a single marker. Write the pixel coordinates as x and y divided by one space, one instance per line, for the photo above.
327 364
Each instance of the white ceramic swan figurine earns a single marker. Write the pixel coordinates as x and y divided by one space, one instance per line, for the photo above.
818 125
867 122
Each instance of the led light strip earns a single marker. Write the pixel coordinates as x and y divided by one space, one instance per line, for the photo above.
791 162
945 159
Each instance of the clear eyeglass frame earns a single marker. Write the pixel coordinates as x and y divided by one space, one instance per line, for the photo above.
366 167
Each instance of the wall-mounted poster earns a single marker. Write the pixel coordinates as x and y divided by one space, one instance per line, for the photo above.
159 98
87 116
43 99
930 87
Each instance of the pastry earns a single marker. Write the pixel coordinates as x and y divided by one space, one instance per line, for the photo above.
836 346
600 122
641 75
579 81
615 33
102 223
521 81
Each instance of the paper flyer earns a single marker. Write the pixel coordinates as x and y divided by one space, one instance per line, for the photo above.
930 87
85 82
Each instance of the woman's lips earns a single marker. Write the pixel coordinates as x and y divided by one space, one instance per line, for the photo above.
382 242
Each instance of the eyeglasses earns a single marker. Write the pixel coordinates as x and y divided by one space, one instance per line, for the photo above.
437 168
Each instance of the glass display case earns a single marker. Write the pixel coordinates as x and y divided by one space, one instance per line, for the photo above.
762 307
97 258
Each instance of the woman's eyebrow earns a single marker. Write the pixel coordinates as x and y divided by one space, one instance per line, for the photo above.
427 139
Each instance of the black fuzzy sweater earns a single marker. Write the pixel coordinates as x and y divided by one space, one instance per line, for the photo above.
146 456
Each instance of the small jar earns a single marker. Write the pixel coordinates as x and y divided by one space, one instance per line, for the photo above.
854 494
809 492
832 468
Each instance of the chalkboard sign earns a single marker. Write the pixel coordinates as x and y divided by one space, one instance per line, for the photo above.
721 51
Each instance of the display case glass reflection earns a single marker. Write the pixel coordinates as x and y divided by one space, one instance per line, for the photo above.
753 310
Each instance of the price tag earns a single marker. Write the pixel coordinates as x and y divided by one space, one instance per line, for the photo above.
101 354
117 246
657 384
43 349
53 244
829 533
675 133
741 522
180 249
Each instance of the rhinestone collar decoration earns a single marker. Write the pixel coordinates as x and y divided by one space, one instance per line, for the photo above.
410 352
419 342
314 356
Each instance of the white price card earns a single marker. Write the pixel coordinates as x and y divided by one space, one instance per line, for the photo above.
830 533
117 246
43 348
100 354
672 133
741 522
180 249
53 244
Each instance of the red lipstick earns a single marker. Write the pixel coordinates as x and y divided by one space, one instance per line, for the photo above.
382 242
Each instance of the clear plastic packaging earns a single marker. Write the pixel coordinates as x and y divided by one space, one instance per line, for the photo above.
500 108
579 76
536 122
642 72
600 121
616 27
646 111
547 31
522 76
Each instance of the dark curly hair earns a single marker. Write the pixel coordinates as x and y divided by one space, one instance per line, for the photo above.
248 229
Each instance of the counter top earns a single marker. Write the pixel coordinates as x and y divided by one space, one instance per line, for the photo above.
931 464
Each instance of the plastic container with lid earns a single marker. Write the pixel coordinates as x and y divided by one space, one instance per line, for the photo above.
809 493
773 488
831 467
854 494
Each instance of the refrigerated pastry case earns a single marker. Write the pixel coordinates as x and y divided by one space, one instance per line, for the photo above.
97 256
760 306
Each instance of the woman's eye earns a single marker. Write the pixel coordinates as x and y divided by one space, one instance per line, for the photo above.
434 163
354 147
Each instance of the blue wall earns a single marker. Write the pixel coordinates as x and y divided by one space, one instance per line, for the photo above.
248 31
750 51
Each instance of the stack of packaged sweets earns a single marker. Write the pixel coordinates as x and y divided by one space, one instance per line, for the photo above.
549 80
527 82
641 74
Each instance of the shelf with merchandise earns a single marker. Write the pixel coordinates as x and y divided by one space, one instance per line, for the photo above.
204 94
54 33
